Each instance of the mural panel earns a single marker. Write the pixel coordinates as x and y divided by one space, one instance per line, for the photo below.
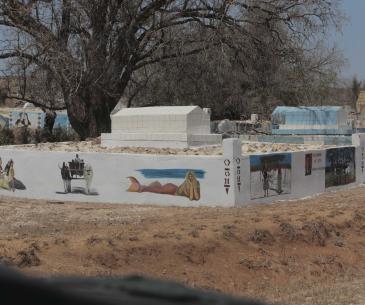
75 170
308 164
7 177
340 166
270 175
190 187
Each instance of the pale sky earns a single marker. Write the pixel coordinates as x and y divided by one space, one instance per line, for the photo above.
352 41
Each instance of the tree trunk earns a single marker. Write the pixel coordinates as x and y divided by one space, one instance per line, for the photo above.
49 120
89 112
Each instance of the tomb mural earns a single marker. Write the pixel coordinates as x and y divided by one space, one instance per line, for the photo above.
340 166
308 164
270 175
190 186
77 170
7 177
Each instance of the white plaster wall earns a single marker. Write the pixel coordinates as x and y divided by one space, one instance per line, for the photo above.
360 166
236 171
149 124
174 119
40 173
358 140
244 195
303 185
226 182
198 122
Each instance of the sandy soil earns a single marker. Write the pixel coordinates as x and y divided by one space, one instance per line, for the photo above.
94 145
306 252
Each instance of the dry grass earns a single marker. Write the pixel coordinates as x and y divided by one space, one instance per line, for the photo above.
306 252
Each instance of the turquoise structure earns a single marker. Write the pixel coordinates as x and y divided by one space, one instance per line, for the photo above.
318 120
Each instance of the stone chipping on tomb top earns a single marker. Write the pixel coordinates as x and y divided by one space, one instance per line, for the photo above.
94 146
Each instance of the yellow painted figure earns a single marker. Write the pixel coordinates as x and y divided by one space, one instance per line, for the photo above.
11 176
190 187
4 182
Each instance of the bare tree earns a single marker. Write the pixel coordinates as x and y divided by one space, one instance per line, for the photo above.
355 90
91 49
245 76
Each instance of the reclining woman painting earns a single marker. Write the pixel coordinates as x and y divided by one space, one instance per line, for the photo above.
190 188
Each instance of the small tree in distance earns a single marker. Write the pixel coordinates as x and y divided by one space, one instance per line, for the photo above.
355 90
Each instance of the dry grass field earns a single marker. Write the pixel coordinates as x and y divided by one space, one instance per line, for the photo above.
310 251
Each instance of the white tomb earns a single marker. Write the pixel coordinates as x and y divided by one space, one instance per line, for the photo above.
164 126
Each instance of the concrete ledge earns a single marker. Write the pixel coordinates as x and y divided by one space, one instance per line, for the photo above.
160 140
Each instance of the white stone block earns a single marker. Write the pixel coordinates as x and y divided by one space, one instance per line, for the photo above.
166 125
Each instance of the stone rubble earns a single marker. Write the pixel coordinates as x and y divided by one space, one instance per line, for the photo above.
94 146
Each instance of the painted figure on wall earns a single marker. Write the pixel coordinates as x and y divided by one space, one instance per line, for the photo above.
77 169
190 188
266 180
340 166
88 176
66 177
7 177
23 120
279 181
308 164
270 175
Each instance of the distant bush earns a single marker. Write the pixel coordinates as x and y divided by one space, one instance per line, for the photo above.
63 135
6 136
21 135
36 136
25 135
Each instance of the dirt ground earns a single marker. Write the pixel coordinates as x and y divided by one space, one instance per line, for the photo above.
304 252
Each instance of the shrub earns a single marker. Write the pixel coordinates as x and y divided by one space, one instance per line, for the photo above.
21 135
36 136
24 135
6 136
63 135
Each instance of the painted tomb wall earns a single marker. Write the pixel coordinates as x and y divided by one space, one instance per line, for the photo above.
232 179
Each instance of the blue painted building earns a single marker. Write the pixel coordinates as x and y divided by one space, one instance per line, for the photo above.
320 120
